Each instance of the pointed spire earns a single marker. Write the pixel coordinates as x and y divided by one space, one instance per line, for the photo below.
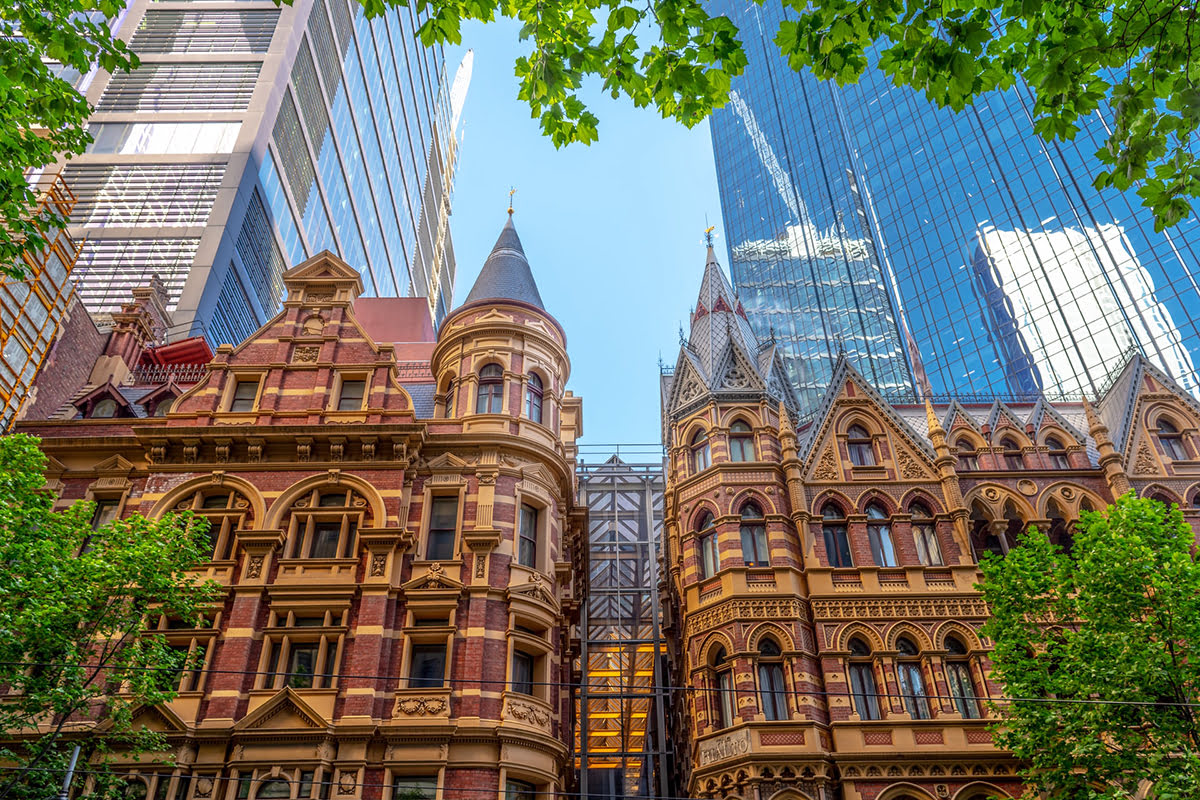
785 422
935 427
506 274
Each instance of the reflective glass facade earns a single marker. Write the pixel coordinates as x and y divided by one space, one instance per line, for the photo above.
252 137
989 263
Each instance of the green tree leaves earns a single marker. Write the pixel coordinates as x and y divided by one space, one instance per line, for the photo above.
1111 640
73 609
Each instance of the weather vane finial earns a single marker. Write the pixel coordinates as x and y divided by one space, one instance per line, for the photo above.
511 192
708 232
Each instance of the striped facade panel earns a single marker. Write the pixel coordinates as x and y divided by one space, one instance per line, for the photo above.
289 143
182 87
109 269
216 31
233 321
136 194
260 254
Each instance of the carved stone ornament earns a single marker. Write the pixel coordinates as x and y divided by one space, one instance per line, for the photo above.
158 453
337 449
1027 487
254 567
1145 464
347 783
204 786
318 297
827 467
992 493
368 450
420 706
528 713
190 451
306 354
221 451
690 391
378 565
480 564
735 377
304 449
909 468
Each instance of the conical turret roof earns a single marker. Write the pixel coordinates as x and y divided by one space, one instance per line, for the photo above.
506 274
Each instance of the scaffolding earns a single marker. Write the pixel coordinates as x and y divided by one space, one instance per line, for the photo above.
620 746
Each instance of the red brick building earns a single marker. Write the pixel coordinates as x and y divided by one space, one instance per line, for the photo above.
393 515
820 572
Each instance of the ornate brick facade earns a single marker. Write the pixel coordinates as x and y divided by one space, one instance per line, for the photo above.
820 573
400 545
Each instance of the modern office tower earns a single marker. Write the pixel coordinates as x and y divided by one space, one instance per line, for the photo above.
253 136
34 309
955 252
620 738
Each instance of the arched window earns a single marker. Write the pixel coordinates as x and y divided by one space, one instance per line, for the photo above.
1016 526
1012 454
912 684
837 544
879 533
450 392
859 447
1195 501
106 409
723 705
533 398
958 677
490 397
227 511
710 557
1058 453
1059 529
968 459
164 406
754 537
324 523
1169 437
274 790
701 451
741 442
862 680
925 535
770 680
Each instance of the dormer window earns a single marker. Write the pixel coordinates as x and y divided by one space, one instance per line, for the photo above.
533 398
1058 453
1012 454
859 447
701 451
105 409
490 398
1171 440
968 459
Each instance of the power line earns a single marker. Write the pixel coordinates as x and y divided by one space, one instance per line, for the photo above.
648 688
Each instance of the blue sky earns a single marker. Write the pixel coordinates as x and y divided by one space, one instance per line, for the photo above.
613 231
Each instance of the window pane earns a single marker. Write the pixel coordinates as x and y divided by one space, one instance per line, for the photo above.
443 520
302 665
519 790
325 539
428 668
412 787
243 396
106 512
351 397
522 672
527 553
862 686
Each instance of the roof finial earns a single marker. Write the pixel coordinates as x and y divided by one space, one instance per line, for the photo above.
511 191
708 232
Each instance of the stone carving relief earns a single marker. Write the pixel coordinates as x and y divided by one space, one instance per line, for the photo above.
744 610
1145 464
254 567
378 565
420 706
827 467
908 466
531 714
307 354
847 608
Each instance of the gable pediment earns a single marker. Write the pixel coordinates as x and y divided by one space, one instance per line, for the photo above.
286 711
115 465
160 719
688 385
736 372
434 579
446 461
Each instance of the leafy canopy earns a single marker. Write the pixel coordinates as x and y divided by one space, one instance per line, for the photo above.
42 116
1120 623
1129 61
74 604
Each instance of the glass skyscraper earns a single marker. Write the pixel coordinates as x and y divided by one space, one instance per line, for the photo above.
940 251
253 136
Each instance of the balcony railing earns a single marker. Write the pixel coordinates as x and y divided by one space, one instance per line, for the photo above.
161 373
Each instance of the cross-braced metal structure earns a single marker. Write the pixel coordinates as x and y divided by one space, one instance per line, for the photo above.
620 746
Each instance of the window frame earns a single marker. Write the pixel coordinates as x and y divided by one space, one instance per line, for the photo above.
741 442
860 449
860 665
925 537
307 524
434 500
772 683
957 664
910 678
836 536
700 447
879 535
234 403
412 681
1014 460
1058 455
534 397
753 532
725 705
967 454
397 784
489 392
285 635
529 546
343 381
1171 439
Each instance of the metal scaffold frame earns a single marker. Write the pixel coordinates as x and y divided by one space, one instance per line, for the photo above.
621 747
